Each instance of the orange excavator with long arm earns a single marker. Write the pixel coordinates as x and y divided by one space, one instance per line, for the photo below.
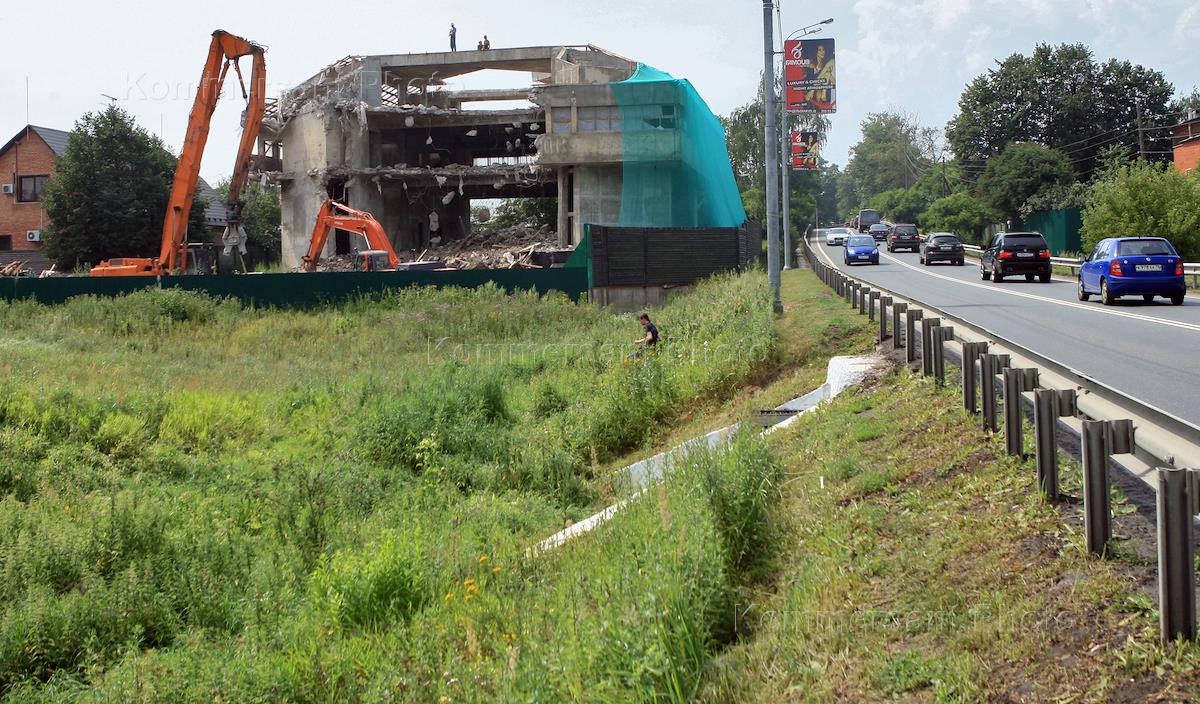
224 52
335 216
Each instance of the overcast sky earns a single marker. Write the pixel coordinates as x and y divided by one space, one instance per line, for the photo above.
916 56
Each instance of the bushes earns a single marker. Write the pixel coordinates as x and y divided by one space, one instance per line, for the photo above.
371 587
1142 199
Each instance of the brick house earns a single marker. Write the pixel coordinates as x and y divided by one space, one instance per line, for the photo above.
1186 141
26 164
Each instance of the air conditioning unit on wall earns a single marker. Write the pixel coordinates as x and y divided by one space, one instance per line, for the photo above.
7 189
33 235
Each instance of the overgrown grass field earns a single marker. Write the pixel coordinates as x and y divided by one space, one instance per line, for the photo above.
203 501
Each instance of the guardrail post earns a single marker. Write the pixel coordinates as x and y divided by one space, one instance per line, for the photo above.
864 300
1193 478
910 334
941 335
855 287
884 303
875 296
1048 406
1016 381
897 338
1097 512
971 352
989 366
1176 555
927 326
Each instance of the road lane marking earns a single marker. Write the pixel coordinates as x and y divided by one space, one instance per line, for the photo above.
1035 297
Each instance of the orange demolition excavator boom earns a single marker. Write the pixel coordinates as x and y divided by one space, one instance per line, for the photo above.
224 52
335 216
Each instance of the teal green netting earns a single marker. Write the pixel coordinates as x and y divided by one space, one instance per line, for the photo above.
676 170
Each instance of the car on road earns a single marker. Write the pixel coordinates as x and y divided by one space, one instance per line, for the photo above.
1132 266
1016 254
861 249
878 232
904 237
836 236
941 247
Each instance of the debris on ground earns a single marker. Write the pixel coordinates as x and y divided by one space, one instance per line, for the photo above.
504 248
17 268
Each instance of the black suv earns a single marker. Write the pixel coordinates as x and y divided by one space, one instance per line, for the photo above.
941 247
904 237
1014 253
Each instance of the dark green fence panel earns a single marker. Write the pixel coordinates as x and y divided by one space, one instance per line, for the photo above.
286 290
1059 227
58 289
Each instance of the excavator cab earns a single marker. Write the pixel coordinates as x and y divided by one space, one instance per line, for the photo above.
372 260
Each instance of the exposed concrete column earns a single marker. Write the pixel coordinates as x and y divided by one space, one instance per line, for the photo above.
564 207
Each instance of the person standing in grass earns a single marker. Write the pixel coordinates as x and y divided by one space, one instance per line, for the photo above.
650 339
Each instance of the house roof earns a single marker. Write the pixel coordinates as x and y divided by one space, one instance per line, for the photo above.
55 139
214 213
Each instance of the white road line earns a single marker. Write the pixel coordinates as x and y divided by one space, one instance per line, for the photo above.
1035 297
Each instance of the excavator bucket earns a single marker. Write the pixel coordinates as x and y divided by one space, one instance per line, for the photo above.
234 236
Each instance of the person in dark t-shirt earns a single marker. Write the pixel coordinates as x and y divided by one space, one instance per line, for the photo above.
650 339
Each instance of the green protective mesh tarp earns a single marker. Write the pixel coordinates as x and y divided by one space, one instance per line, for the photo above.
676 170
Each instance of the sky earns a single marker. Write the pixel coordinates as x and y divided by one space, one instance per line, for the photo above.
910 55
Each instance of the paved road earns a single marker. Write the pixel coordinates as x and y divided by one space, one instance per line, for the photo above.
1149 351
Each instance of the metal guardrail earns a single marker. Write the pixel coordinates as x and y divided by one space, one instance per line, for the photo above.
1113 427
1191 269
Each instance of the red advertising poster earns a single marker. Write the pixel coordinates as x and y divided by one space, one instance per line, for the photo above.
810 82
804 151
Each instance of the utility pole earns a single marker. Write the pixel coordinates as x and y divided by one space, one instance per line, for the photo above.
785 163
771 149
1141 132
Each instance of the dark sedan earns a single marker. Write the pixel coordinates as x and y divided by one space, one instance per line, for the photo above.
941 247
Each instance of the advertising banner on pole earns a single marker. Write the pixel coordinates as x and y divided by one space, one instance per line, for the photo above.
810 82
804 151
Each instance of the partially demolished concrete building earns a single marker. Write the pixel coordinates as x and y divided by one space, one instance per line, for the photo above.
385 134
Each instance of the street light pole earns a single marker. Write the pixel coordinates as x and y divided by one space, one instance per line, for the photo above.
771 149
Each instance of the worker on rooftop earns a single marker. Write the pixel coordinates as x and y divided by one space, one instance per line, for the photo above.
487 43
453 37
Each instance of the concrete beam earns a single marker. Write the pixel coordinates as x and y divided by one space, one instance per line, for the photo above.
534 59
452 97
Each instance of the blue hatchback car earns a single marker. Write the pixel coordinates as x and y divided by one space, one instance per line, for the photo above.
861 249
1132 266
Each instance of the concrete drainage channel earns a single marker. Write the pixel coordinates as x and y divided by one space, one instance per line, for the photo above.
1002 379
841 373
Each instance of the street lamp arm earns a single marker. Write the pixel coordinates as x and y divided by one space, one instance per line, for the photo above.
810 29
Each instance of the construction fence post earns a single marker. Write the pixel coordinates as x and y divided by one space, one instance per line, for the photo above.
897 338
910 334
1176 554
1097 511
1016 381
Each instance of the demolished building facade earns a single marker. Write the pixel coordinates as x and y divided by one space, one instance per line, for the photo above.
384 134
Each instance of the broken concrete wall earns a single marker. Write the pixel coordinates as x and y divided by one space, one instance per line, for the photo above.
597 197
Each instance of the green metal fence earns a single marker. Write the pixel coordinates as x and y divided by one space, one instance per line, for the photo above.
291 290
1059 227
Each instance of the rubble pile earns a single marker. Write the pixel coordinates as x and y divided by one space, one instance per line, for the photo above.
505 248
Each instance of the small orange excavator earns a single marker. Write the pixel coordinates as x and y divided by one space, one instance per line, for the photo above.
224 51
335 216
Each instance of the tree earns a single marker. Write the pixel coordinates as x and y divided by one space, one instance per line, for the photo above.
1184 104
260 216
1059 97
960 213
1018 173
900 204
890 154
1143 198
525 212
109 193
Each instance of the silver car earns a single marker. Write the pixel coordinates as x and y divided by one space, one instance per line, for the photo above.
836 236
